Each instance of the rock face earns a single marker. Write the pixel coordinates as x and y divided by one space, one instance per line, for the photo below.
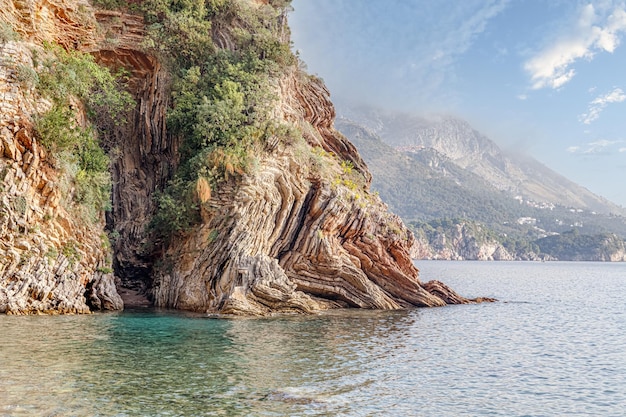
47 255
145 154
51 260
460 243
298 233
291 236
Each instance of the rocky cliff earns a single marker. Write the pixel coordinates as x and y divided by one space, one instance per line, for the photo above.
459 242
51 259
299 231
292 236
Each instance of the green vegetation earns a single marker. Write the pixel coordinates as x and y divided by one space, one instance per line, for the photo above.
349 178
432 230
26 76
425 189
574 246
70 251
178 209
520 246
69 80
7 33
110 4
66 75
568 246
19 205
222 93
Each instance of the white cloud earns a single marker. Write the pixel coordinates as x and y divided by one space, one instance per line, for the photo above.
522 97
551 67
455 31
597 147
598 104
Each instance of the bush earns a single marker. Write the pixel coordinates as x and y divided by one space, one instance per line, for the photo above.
221 97
57 129
65 76
75 74
7 33
177 210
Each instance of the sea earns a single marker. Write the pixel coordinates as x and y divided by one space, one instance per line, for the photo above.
554 344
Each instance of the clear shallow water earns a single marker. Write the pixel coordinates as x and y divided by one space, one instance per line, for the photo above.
554 345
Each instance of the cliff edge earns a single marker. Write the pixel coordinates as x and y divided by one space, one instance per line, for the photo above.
230 190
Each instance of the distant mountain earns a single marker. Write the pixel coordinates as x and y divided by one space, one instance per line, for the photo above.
435 169
472 151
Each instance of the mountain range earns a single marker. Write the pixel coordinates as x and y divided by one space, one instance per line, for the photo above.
457 141
441 167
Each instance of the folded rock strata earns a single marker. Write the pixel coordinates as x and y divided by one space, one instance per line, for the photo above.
291 236
298 233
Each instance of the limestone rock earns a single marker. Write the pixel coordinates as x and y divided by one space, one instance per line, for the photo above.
102 293
48 254
290 238
460 242
299 233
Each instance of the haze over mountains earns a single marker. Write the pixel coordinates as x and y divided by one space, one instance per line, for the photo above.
472 151
442 167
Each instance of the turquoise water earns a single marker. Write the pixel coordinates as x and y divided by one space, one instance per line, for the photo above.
554 345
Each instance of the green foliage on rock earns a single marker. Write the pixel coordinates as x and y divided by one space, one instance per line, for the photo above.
177 209
7 33
71 74
574 246
109 4
70 80
223 56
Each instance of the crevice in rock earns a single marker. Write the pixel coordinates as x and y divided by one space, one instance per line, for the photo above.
301 219
143 155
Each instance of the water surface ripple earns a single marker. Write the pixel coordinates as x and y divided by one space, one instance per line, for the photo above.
554 345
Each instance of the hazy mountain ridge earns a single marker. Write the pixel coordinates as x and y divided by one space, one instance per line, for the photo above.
427 184
469 149
424 184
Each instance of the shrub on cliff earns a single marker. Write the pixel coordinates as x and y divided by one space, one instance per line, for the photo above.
70 80
7 33
222 55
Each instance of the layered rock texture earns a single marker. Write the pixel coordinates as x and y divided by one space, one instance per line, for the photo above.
51 261
291 236
298 232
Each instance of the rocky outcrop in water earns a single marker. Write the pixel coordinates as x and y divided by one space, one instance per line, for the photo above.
299 232
292 236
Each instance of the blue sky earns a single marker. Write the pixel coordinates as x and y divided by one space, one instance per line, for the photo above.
547 77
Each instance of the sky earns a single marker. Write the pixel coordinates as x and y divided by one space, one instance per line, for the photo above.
544 77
